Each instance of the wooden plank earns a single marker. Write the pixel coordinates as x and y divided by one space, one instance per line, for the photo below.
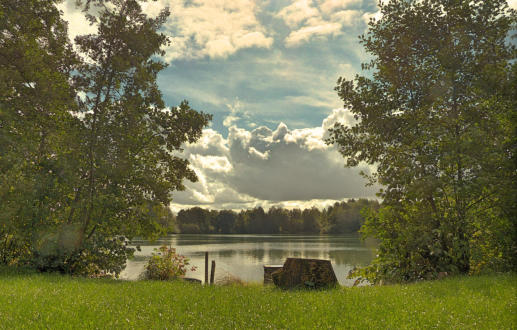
268 270
206 267
212 272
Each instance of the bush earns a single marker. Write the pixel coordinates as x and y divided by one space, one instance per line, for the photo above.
166 265
411 246
99 256
62 250
414 246
14 250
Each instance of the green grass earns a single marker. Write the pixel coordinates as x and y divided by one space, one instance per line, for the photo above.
29 300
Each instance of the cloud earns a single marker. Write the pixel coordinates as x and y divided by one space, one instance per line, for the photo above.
237 206
77 23
216 164
271 167
309 20
198 28
309 32
298 12
236 113
210 143
229 120
211 28
341 116
330 6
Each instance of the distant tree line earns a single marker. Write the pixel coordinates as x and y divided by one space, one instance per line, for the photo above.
342 217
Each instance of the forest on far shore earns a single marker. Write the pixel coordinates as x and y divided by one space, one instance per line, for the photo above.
342 217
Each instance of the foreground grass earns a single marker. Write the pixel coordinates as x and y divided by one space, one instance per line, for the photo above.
55 301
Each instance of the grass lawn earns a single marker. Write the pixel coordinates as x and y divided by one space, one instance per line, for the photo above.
29 300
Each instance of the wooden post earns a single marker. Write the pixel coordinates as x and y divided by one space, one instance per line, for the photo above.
212 272
206 267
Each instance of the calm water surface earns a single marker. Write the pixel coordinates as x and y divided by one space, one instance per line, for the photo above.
243 256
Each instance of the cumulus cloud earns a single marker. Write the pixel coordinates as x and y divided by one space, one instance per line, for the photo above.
312 31
330 6
210 163
211 28
297 12
198 28
77 23
309 20
268 167
236 113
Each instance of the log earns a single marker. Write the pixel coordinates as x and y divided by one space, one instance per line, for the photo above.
305 273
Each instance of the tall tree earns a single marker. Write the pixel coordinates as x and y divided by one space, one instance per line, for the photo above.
130 139
36 125
89 150
311 220
432 119
224 222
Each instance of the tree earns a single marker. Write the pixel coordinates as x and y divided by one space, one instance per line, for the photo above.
194 220
294 222
311 220
346 217
224 221
37 140
256 219
433 119
102 163
275 221
130 139
164 218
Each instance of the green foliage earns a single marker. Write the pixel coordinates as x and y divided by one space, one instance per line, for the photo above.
98 256
224 221
344 217
410 247
12 250
164 218
435 119
36 142
194 221
88 150
493 244
166 265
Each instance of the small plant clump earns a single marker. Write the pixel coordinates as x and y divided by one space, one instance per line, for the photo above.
166 264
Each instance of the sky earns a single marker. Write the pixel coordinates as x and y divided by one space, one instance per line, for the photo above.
266 70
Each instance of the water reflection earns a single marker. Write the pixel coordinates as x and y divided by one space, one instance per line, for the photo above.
243 256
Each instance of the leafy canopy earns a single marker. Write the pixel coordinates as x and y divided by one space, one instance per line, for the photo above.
434 117
89 151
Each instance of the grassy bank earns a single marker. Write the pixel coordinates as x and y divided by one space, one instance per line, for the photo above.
54 301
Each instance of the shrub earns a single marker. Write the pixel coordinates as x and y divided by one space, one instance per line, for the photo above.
99 256
166 264
14 250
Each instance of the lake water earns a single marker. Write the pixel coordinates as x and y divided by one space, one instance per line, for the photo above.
243 256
